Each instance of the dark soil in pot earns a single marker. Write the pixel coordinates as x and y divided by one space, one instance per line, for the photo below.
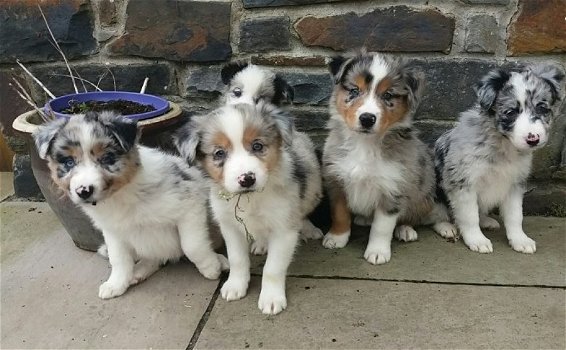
123 107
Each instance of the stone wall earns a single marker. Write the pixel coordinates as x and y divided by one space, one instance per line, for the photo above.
181 45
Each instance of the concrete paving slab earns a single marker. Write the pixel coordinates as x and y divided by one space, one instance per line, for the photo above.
432 258
355 314
6 185
49 298
21 224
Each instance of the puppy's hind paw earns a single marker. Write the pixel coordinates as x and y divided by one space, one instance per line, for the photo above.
405 233
211 268
523 245
333 241
309 231
109 290
258 247
489 223
224 265
446 230
362 220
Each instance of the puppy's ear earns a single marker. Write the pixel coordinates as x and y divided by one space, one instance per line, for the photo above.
283 91
490 85
335 67
231 69
187 140
553 75
46 134
123 130
283 120
414 79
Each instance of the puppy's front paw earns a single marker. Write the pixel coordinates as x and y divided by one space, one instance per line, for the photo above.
109 290
405 233
333 241
378 255
523 244
478 243
446 230
489 223
272 302
258 247
234 289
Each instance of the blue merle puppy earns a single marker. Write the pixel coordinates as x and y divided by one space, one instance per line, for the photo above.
484 162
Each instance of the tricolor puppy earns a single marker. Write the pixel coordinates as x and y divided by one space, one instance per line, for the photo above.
248 83
484 162
251 84
374 164
262 189
150 206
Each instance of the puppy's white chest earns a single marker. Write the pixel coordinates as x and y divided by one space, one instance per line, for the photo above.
497 180
367 177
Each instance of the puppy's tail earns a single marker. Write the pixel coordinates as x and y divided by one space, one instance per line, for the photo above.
103 250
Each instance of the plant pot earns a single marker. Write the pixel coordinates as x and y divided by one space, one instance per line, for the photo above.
77 224
61 103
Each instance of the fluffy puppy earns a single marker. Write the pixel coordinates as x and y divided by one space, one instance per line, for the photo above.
374 164
484 162
149 205
251 84
248 83
261 189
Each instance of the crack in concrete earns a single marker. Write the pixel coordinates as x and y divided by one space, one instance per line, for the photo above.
423 281
204 319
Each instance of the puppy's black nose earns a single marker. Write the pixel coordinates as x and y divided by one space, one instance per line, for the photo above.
533 140
367 120
246 180
85 192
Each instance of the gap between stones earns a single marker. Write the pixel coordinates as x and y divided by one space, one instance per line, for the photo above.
422 281
204 319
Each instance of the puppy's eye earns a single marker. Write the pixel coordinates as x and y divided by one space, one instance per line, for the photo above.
510 113
387 96
108 158
541 109
257 146
219 154
68 162
237 92
354 92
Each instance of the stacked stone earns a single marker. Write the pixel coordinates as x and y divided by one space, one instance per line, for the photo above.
181 46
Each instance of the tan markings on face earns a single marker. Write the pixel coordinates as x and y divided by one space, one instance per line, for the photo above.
348 110
211 166
250 135
339 211
394 113
270 155
98 150
62 183
129 165
361 83
271 158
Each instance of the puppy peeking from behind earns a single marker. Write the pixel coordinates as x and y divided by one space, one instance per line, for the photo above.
262 188
150 206
252 84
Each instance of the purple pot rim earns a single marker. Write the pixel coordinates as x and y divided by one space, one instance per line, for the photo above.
161 105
